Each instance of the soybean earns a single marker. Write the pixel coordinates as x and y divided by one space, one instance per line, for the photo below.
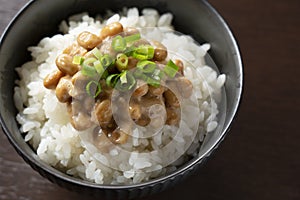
111 30
88 40
171 99
160 52
52 79
64 63
63 89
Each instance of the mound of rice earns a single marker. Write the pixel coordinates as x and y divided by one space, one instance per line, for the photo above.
44 120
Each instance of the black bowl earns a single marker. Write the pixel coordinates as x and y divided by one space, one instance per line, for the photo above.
39 19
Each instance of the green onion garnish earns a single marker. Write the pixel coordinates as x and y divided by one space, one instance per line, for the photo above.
87 68
139 55
123 77
129 51
106 61
96 52
132 38
150 52
77 60
98 66
127 81
171 69
88 88
118 43
153 82
104 75
146 66
155 78
138 74
157 74
112 79
122 62
143 52
89 61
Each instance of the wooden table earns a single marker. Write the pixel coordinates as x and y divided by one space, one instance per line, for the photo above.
260 157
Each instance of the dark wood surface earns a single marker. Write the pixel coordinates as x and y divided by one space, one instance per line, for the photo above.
260 158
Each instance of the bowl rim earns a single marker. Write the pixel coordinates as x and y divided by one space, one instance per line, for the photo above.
33 159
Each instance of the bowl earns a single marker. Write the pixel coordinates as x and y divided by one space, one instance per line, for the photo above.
38 19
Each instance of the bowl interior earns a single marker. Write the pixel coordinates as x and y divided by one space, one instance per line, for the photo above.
41 19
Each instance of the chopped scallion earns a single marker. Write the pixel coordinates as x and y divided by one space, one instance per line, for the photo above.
118 43
89 61
139 55
171 69
143 52
77 60
132 38
96 52
157 75
106 61
123 77
98 66
138 74
129 51
104 75
150 51
146 66
112 79
96 91
87 70
127 81
88 67
153 82
122 62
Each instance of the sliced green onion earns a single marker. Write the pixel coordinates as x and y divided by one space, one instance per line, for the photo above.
132 38
88 69
122 62
138 74
118 43
106 61
104 75
127 81
112 79
129 51
77 60
146 66
123 78
88 88
157 75
139 56
98 66
96 52
153 82
89 61
150 52
131 80
143 52
171 69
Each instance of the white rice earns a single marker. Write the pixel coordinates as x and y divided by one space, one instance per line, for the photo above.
44 120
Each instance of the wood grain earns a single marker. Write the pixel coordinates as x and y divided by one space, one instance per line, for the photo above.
260 157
